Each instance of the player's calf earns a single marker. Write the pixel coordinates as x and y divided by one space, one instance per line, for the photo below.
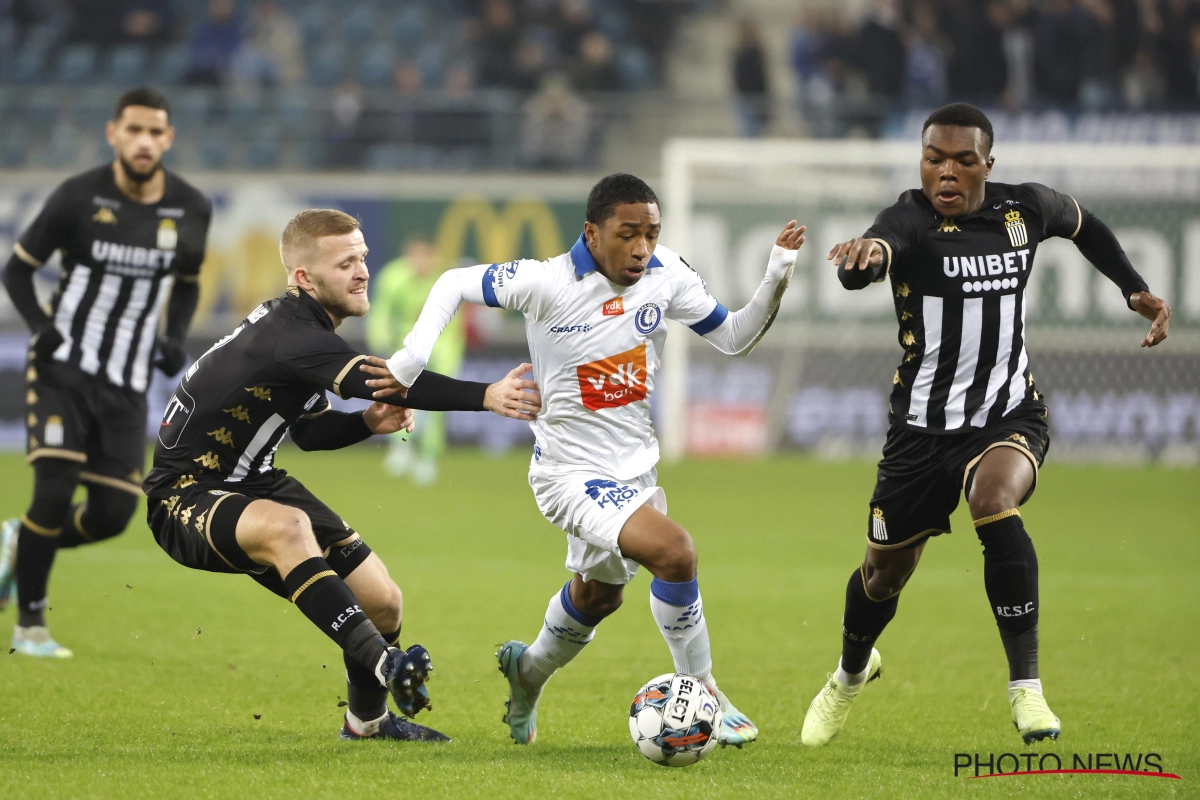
105 514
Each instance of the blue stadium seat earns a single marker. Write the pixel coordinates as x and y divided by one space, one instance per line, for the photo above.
77 64
93 106
245 107
358 24
191 107
214 149
636 69
408 25
43 106
311 20
263 152
14 146
172 64
127 65
328 66
30 65
295 109
375 69
61 149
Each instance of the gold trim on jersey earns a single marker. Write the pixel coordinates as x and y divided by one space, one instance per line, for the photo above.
116 483
887 267
1079 224
55 452
23 254
337 382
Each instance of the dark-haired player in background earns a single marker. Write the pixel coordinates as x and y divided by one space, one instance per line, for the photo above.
132 237
965 415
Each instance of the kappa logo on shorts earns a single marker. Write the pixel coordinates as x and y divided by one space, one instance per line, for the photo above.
1019 439
878 526
606 492
614 381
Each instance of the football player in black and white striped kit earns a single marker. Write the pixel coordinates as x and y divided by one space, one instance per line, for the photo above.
132 238
966 417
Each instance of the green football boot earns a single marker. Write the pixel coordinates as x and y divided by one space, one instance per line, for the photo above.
829 709
35 641
8 559
521 708
1031 716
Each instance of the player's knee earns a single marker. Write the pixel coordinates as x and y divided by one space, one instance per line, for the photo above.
290 530
986 501
53 487
884 583
104 518
600 599
679 560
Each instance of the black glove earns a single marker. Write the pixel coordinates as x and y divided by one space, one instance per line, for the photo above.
171 356
45 341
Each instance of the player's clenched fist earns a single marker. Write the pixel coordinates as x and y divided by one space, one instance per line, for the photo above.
382 418
858 253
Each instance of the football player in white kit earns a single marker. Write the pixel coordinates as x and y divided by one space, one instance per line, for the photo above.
595 322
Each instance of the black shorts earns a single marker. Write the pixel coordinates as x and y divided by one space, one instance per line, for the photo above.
83 418
922 475
196 524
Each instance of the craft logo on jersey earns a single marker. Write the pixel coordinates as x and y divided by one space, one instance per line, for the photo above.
609 493
614 381
647 318
168 235
878 526
1017 234
613 307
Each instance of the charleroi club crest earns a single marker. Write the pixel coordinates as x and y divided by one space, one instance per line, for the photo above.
1017 234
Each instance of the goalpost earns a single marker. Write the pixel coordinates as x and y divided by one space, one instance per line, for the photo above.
819 379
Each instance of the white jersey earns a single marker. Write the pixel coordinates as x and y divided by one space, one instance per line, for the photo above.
596 346
596 349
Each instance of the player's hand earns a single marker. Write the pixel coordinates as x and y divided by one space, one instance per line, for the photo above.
513 397
1157 311
858 253
171 357
383 418
45 341
792 236
384 384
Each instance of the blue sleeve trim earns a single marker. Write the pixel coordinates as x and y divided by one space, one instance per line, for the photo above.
489 286
712 321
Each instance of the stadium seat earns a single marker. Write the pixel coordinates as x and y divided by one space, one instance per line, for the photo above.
245 107
191 107
213 149
375 69
636 69
408 25
30 64
328 65
127 65
358 23
14 146
264 149
42 107
93 106
77 64
62 149
311 20
295 110
171 65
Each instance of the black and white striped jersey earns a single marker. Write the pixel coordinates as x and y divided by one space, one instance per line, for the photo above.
958 286
119 261
236 402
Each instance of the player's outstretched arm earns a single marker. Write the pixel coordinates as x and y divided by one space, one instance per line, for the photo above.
1157 311
860 262
741 330
333 430
511 396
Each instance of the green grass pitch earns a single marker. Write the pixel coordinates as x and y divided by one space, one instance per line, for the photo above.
187 684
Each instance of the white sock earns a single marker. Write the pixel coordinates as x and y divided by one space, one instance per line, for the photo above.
565 632
1026 683
679 611
849 679
364 727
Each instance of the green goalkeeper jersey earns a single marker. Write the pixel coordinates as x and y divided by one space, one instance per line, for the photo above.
399 294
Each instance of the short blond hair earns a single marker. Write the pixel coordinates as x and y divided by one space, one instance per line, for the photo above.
301 234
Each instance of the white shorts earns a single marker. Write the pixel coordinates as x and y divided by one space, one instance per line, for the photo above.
592 509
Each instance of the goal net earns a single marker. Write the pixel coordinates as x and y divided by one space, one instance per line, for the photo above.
820 379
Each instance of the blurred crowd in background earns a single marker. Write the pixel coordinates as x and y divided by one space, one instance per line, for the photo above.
538 84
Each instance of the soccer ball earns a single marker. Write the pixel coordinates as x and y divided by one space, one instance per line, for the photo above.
674 720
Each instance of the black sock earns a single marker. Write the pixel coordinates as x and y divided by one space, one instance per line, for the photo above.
35 556
366 695
862 623
1010 575
329 603
1022 652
